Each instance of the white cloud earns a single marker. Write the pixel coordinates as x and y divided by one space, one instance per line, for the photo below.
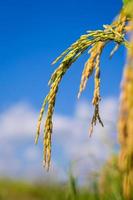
71 143
31 153
18 121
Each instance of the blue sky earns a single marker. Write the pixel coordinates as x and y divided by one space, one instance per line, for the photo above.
32 34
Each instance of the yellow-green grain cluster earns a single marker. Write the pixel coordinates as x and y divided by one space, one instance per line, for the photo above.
94 41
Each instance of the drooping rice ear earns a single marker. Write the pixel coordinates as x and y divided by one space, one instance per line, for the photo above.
95 41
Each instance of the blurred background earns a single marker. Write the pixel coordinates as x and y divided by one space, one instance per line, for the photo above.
32 34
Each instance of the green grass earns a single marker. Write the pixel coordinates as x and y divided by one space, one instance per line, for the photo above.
15 190
107 187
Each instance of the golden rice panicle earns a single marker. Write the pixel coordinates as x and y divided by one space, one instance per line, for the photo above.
93 63
40 120
90 65
121 23
126 187
130 117
88 69
47 134
95 41
123 116
50 101
48 127
96 96
125 128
